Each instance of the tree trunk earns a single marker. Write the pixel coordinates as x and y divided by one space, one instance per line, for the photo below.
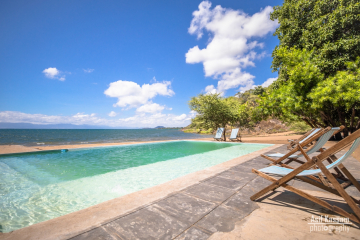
225 132
357 125
329 119
342 121
352 120
308 123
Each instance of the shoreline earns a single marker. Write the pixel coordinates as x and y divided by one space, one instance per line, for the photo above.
6 149
270 139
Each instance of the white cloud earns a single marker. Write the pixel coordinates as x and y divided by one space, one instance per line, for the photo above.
210 89
112 114
269 81
53 73
89 70
139 120
131 94
79 118
150 108
230 47
157 119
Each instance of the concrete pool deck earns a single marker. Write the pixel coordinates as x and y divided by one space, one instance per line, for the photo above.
212 203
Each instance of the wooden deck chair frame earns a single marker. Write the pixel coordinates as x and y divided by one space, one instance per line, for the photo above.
298 146
293 142
335 187
320 178
238 138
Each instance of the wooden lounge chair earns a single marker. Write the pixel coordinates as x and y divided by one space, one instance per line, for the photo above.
235 135
322 136
306 174
293 142
219 134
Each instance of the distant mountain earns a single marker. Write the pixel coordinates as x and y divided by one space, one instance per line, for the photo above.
159 127
52 126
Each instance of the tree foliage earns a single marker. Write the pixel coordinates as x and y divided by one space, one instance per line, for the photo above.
215 111
317 63
329 28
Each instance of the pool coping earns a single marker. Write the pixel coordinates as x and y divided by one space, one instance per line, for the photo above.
75 223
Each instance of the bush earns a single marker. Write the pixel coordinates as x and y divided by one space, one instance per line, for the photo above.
299 127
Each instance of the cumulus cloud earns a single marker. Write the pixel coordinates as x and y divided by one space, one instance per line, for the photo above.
150 108
53 73
210 89
130 94
269 81
156 119
79 118
231 46
89 70
112 114
136 121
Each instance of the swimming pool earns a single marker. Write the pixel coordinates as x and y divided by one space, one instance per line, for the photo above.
40 186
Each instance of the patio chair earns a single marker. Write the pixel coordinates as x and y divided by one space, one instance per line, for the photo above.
293 142
306 174
235 135
322 136
219 134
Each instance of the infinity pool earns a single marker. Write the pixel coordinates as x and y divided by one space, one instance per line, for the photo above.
40 186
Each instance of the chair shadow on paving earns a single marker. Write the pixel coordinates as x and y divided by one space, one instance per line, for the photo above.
289 200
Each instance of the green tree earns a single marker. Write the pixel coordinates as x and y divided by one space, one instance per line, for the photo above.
212 110
329 28
288 98
342 92
316 61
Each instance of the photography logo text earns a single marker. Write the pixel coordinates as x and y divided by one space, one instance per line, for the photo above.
329 224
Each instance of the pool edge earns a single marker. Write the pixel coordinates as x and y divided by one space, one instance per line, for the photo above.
75 223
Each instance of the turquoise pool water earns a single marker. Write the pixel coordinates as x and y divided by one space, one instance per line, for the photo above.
38 187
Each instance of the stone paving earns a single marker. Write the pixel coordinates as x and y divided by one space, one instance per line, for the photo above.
214 205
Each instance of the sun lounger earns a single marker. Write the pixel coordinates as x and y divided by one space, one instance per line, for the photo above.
307 135
219 134
306 174
234 135
323 135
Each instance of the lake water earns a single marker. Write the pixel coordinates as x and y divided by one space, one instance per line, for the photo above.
36 137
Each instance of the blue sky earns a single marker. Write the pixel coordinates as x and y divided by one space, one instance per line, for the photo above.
128 63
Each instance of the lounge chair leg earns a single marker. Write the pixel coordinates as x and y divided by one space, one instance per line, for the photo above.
282 180
311 198
349 176
338 187
323 180
319 185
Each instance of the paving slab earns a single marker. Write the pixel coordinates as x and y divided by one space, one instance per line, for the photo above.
242 203
237 175
222 219
226 183
147 223
96 234
194 234
210 192
185 208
